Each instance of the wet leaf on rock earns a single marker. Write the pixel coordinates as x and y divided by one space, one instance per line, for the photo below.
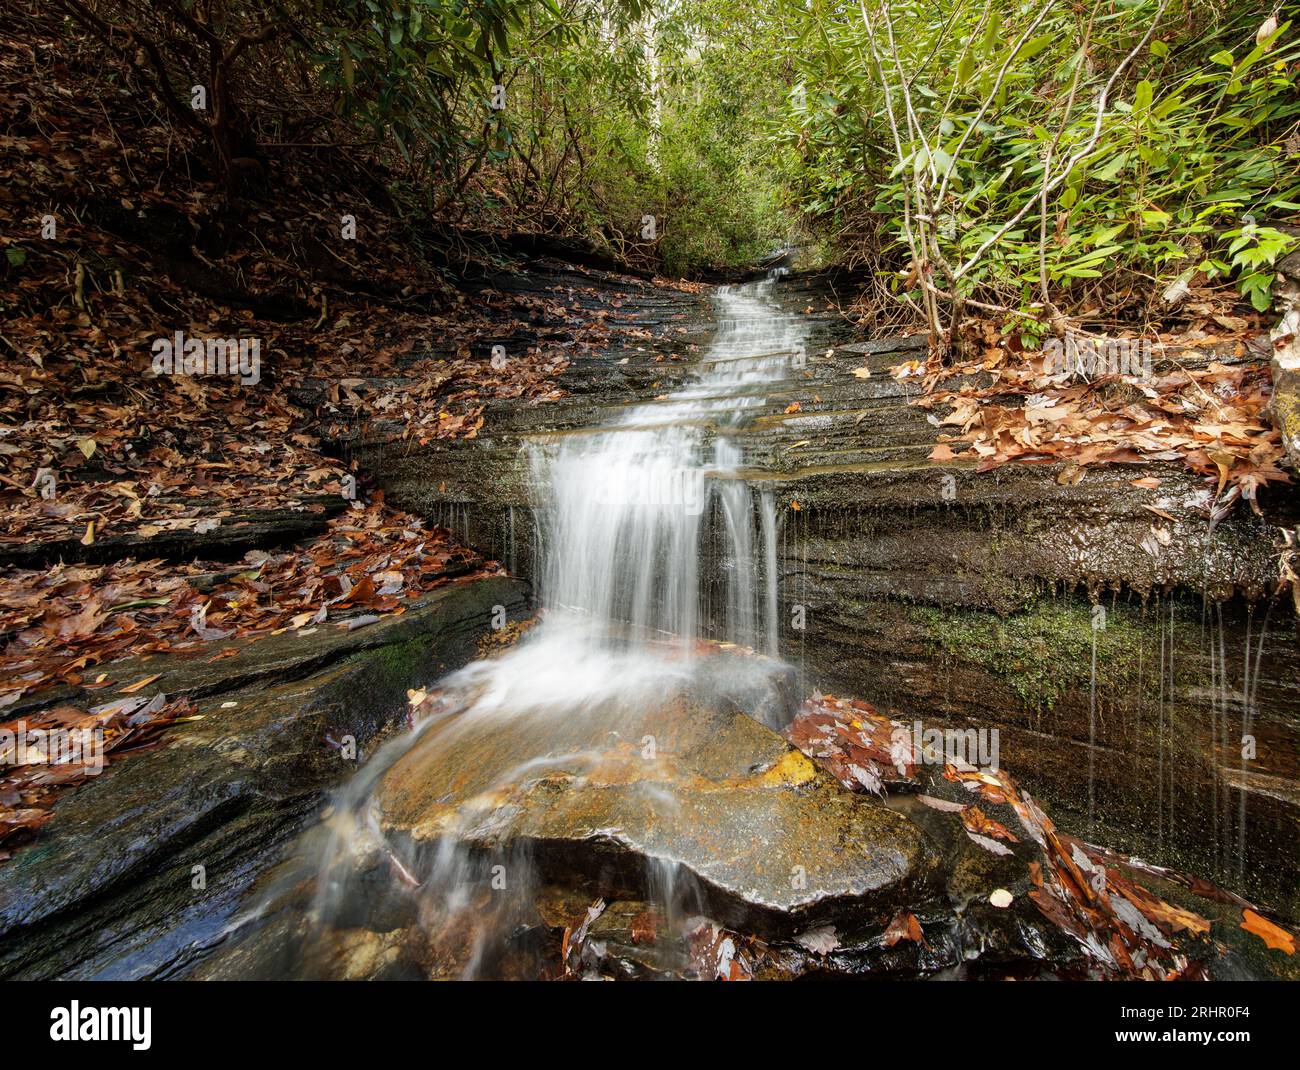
976 822
943 805
820 941
989 844
645 927
903 926
1274 936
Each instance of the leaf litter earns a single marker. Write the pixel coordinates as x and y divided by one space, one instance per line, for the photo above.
1124 929
1212 415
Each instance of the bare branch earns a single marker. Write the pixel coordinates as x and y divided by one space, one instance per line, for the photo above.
1051 152
991 97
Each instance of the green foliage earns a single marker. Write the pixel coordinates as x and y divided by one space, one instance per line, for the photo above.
720 187
635 112
1252 249
741 126
1198 131
405 65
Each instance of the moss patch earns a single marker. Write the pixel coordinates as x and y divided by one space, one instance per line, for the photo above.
1046 650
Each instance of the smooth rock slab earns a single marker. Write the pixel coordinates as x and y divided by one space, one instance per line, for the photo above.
768 841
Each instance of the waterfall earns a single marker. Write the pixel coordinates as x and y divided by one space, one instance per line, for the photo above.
631 516
624 509
770 578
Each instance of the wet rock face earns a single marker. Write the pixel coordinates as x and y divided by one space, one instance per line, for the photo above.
109 889
1285 337
653 829
1157 729
689 792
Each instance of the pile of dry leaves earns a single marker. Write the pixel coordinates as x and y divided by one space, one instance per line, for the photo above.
59 623
109 243
859 747
1210 414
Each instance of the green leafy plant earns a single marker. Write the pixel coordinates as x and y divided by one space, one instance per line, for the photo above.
1252 249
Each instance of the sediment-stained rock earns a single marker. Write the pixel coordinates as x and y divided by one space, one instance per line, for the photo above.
772 842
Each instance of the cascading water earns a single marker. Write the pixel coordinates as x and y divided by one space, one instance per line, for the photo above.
624 515
624 508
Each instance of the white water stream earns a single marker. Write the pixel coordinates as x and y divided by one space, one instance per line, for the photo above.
649 536
625 509
627 514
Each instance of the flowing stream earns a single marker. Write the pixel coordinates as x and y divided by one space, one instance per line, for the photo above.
623 510
487 824
625 515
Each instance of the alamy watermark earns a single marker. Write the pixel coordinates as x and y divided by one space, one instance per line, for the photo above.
976 748
21 745
75 1022
1092 358
179 355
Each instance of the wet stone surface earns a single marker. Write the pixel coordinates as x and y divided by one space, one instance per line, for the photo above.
770 840
108 889
617 866
718 830
965 597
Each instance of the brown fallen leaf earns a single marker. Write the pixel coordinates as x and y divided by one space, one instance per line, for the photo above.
988 843
903 927
1070 475
1172 918
645 927
1223 461
976 821
131 689
738 970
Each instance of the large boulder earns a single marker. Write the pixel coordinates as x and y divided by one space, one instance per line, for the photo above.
620 795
